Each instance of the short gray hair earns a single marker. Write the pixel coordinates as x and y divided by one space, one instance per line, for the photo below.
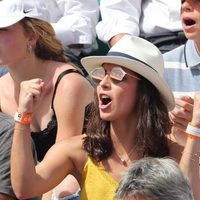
155 178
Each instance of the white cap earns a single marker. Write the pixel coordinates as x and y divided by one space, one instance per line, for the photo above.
12 11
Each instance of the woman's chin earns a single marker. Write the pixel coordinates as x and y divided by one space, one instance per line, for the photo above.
106 116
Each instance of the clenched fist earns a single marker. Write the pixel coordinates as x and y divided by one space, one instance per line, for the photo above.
30 94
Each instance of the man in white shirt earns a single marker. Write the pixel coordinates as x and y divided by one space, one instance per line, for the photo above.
156 20
74 23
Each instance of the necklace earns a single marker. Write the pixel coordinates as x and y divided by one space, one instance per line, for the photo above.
125 160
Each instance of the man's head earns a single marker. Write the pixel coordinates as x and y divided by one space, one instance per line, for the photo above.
154 179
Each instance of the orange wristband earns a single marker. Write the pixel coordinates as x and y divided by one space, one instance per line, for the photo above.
23 118
193 132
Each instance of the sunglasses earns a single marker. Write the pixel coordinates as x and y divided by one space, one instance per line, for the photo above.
116 74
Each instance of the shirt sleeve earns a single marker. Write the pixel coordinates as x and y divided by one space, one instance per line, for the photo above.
118 16
78 21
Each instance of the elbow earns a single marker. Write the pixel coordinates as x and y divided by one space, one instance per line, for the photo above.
23 188
22 192
20 195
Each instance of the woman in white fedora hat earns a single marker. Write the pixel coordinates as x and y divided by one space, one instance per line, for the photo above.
37 64
129 120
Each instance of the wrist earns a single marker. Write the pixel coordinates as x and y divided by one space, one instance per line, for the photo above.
21 127
193 131
195 124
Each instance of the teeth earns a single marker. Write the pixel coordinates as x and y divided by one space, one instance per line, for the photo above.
105 99
105 96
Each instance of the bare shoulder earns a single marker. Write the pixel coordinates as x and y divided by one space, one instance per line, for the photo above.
74 83
66 66
72 149
76 79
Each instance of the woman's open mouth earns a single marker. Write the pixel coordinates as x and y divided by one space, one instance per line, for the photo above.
105 101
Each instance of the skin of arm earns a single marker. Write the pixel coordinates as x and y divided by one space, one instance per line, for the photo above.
28 180
189 156
69 104
30 98
116 38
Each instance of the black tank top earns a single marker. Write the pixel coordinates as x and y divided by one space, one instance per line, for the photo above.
46 138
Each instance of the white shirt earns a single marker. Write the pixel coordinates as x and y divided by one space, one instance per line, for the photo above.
138 16
74 22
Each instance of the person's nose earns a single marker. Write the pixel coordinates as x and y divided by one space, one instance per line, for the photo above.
187 5
106 81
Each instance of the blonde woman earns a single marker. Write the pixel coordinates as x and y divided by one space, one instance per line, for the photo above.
35 59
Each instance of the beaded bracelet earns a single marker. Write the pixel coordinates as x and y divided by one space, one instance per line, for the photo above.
192 131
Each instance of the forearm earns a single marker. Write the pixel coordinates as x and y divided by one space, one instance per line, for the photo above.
119 17
115 39
22 162
189 164
179 136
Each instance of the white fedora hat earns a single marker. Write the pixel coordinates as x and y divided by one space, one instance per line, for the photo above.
140 56
12 11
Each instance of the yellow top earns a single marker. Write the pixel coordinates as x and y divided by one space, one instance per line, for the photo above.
97 183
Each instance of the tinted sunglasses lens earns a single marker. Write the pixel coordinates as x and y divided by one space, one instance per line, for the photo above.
117 73
97 74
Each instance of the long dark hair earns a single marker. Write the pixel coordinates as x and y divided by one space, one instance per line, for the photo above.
153 126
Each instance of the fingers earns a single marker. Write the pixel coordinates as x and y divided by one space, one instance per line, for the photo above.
196 111
30 93
182 114
31 89
32 86
187 99
179 122
185 103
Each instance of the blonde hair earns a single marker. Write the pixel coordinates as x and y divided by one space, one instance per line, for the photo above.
48 47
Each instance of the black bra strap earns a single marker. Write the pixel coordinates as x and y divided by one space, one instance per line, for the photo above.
58 80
